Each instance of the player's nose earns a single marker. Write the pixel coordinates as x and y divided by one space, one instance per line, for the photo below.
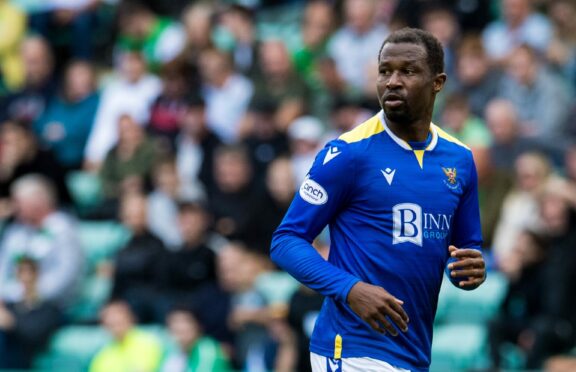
394 81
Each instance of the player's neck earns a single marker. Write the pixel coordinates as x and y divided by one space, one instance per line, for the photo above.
416 131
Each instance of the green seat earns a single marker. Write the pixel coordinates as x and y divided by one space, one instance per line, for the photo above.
459 347
85 189
459 306
94 293
277 287
72 348
100 240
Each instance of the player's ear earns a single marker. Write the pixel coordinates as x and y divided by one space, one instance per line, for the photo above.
439 81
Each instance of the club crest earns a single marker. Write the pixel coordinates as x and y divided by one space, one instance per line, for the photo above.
450 174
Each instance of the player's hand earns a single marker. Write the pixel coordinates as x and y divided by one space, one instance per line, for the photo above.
378 308
470 266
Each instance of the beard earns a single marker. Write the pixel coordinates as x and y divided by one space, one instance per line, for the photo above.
400 115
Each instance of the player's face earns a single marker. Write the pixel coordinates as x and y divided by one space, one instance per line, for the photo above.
406 86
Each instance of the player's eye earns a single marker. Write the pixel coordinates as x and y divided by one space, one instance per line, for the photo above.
409 71
385 71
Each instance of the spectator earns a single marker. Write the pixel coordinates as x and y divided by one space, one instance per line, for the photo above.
47 235
553 330
234 194
508 143
346 114
493 186
66 123
13 27
441 22
265 142
474 76
459 122
237 271
305 135
21 155
222 87
542 100
570 163
130 348
129 164
195 146
197 20
561 52
279 84
317 26
163 200
352 46
75 17
240 22
523 301
167 110
195 352
520 25
194 263
133 92
27 103
26 325
188 275
520 207
136 276
160 40
269 212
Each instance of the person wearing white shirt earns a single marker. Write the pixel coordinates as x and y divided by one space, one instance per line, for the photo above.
352 46
131 94
227 94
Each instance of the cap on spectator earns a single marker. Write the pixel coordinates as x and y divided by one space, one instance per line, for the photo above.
306 128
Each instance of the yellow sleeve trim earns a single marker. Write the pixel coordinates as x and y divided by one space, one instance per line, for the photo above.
449 138
365 130
338 347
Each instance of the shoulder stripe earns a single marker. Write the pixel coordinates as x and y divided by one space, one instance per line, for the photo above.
442 134
365 130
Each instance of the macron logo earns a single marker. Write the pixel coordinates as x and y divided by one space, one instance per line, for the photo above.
331 154
388 174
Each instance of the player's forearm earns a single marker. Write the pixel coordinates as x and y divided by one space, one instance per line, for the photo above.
300 259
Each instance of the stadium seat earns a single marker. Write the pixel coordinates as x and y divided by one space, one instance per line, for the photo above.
101 239
459 347
276 287
73 347
85 189
93 294
477 306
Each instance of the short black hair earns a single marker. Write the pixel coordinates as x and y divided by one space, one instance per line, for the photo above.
434 51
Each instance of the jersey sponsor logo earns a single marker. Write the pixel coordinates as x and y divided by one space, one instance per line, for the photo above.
388 174
407 223
412 225
331 154
313 192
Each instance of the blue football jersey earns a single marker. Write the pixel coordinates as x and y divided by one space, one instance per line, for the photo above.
393 208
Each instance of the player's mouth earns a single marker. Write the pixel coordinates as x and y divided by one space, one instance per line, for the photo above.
393 100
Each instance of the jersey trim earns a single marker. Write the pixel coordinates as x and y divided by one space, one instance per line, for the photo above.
365 130
338 347
448 137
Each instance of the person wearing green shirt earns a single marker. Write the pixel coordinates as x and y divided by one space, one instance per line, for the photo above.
195 352
160 40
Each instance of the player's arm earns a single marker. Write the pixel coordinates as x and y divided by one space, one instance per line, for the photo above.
466 267
318 201
320 198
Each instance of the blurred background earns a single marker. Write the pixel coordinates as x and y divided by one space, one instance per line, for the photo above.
148 150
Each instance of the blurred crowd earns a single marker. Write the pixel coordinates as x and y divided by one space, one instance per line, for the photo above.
197 122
